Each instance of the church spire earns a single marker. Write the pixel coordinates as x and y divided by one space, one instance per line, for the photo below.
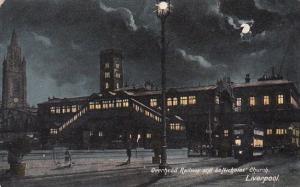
14 39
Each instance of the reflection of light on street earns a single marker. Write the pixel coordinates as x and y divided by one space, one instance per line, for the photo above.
1 2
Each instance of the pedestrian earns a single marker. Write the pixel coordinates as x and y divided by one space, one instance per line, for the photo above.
68 159
128 152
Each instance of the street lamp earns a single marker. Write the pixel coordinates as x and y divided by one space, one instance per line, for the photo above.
163 11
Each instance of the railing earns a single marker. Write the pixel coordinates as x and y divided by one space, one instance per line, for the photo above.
79 114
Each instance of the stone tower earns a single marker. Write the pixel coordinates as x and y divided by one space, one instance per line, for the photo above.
111 70
14 93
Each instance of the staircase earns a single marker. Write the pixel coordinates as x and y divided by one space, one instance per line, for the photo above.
132 104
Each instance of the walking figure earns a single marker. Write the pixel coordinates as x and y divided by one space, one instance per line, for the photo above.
128 152
68 159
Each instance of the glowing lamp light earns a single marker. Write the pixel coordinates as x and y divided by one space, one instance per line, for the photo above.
163 5
163 8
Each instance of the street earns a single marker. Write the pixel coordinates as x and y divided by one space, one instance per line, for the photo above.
287 168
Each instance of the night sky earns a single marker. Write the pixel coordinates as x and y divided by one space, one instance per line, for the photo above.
62 39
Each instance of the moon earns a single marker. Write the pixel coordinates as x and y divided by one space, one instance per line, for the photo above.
246 28
1 2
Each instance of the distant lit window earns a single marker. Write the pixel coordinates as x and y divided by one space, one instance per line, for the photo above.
169 102
238 142
68 109
280 99
107 75
118 75
106 65
252 101
269 131
100 134
266 100
217 100
74 108
64 110
92 105
53 131
118 103
52 110
192 100
117 85
153 102
281 131
148 135
57 110
183 100
91 133
106 85
226 133
172 101
125 103
258 143
238 102
97 105
176 127
105 104
117 66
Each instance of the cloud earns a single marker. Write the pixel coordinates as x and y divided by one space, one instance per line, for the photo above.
236 23
281 7
44 40
125 13
194 58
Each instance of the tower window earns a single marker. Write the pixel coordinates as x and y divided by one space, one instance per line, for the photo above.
153 102
252 101
106 65
107 75
266 100
280 99
106 85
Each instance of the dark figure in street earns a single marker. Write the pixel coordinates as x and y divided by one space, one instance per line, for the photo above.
68 159
128 152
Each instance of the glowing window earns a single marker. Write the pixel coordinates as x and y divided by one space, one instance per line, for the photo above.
238 142
117 66
74 108
125 103
269 131
106 85
280 99
92 105
252 101
107 75
238 102
280 131
153 102
97 105
266 100
169 102
117 85
68 109
118 75
183 100
64 109
106 65
192 100
91 133
118 103
105 104
52 110
148 135
217 100
258 143
100 134
226 132
53 131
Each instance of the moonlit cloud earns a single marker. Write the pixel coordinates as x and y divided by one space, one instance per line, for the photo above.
44 40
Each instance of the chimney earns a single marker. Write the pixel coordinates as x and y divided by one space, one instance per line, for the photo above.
247 79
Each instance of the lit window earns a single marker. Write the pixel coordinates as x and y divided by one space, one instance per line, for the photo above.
107 75
53 131
238 102
52 110
105 104
68 109
266 100
74 108
117 66
64 109
269 131
111 104
280 131
258 143
100 134
125 103
176 127
148 135
106 85
175 101
117 85
92 105
118 75
217 100
238 142
97 106
172 101
183 100
169 102
118 103
91 133
226 132
252 101
280 99
192 100
106 65
153 102
57 110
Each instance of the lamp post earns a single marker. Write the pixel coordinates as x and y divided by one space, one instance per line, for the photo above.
163 11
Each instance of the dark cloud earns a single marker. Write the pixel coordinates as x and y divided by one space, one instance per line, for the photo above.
61 40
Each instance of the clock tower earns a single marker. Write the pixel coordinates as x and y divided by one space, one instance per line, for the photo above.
14 93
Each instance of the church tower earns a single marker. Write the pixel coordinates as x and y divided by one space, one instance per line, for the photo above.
111 70
14 93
